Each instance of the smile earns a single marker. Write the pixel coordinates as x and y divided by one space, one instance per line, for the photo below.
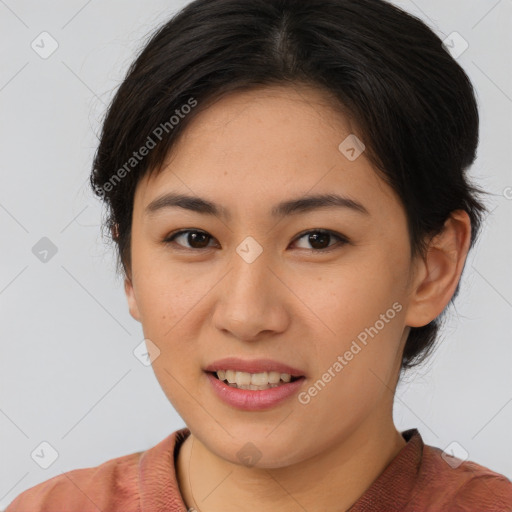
253 381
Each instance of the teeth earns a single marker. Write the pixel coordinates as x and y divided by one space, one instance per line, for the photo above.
274 377
245 379
255 381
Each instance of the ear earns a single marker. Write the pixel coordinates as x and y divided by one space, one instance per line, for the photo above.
438 272
132 301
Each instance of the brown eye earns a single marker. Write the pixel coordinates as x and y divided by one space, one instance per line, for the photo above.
195 239
319 239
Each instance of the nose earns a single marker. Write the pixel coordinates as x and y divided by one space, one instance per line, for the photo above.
251 302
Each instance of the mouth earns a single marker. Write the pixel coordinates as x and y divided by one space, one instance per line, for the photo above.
261 396
253 381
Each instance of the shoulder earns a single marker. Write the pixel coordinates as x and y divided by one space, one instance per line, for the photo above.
129 483
463 485
423 477
488 491
113 485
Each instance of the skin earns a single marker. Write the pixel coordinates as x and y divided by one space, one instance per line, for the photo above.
248 152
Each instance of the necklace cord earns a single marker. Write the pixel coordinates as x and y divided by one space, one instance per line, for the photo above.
189 481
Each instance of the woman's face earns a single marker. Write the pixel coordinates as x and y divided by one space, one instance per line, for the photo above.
261 282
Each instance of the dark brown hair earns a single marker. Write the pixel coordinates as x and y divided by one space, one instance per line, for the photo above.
412 103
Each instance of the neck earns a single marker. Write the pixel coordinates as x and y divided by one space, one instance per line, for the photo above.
330 481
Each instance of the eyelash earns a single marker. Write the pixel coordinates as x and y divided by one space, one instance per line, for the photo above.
342 240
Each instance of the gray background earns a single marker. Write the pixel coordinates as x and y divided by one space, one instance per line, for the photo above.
68 373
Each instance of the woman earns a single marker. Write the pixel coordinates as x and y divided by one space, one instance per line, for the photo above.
287 190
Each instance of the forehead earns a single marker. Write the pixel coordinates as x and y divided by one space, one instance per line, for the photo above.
260 146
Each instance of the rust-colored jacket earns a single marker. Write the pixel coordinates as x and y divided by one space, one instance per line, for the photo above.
418 479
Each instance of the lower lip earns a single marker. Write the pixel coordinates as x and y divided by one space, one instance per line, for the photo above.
253 400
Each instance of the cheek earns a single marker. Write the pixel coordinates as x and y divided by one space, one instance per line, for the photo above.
355 366
165 292
172 315
172 318
352 298
361 307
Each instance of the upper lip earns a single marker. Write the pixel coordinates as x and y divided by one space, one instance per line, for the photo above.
253 366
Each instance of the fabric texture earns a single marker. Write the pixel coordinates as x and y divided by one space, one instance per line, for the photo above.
418 479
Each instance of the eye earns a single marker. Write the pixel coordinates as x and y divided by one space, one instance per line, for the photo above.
195 238
320 238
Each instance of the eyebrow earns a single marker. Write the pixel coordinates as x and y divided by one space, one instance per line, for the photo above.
290 207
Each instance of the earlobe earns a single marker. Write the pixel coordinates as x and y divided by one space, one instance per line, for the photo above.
441 269
132 301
